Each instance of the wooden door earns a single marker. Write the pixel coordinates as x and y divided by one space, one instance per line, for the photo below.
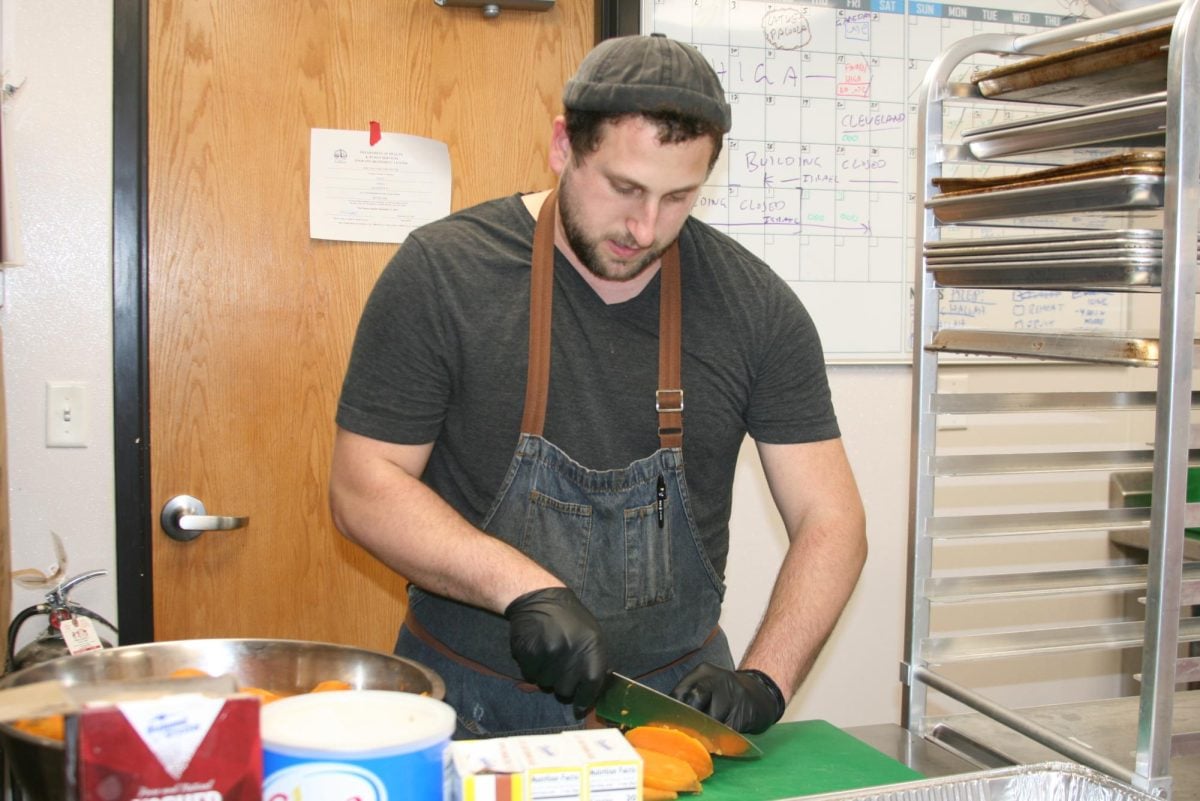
251 321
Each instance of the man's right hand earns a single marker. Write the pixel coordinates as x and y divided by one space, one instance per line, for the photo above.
558 645
744 700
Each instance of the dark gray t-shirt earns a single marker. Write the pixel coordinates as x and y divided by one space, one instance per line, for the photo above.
440 356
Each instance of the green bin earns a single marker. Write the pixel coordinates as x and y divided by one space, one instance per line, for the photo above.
1141 497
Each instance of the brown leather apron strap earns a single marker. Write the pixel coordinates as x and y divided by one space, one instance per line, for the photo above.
423 634
541 297
668 399
681 659
593 722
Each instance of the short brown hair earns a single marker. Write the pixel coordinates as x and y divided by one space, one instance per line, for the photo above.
585 129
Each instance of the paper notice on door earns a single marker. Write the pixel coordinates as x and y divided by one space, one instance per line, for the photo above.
363 192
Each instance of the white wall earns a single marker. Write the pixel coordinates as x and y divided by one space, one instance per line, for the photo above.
856 680
56 311
57 326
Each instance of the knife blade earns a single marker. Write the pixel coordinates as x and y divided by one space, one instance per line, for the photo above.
629 703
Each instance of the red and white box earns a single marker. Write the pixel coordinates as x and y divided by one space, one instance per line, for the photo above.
182 747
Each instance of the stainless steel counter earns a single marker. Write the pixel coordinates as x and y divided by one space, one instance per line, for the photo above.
1107 727
971 742
924 756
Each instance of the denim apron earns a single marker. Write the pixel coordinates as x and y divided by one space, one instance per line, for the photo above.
625 541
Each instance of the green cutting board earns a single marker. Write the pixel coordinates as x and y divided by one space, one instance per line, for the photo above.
802 758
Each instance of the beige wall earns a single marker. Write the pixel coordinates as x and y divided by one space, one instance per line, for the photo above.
56 312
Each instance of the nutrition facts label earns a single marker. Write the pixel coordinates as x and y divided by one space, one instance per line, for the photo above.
818 174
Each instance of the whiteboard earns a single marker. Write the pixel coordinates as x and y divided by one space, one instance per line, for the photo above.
818 175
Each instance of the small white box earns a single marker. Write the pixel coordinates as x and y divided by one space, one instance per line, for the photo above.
591 765
614 767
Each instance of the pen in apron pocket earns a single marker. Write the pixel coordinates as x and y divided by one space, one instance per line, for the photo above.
661 501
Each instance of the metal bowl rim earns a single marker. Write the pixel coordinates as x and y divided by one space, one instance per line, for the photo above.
438 688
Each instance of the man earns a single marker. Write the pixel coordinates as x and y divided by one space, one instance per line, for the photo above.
533 573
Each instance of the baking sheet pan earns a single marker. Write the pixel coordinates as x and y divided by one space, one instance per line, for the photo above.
1150 236
1128 192
1149 162
1024 253
1137 122
1109 348
1114 274
1108 70
1046 781
1071 113
1003 257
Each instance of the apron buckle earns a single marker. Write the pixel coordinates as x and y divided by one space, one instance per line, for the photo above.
668 400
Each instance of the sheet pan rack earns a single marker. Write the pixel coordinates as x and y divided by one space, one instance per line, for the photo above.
1136 84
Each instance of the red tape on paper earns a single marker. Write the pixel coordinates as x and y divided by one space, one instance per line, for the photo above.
375 133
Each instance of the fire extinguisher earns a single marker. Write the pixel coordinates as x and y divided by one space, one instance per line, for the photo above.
50 643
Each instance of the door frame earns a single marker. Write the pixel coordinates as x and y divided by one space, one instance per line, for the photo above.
134 519
131 363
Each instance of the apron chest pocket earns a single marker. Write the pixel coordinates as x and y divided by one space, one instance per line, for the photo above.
648 578
556 535
559 535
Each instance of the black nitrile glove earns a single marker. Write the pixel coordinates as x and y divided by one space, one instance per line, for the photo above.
744 700
558 645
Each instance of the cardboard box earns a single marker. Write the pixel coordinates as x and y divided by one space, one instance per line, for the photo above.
590 765
183 747
614 767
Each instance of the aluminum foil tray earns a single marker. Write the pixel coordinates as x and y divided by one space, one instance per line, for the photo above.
1047 781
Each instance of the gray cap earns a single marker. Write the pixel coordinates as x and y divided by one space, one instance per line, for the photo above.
648 73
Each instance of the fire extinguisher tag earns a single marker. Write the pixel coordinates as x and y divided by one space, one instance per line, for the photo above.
79 634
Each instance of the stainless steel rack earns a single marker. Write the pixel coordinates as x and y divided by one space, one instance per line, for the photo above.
1163 261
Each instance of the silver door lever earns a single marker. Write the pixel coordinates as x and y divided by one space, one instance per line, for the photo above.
183 518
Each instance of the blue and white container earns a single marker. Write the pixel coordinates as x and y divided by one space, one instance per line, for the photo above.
372 745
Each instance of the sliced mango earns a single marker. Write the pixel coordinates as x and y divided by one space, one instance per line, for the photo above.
674 743
51 726
651 794
187 673
265 696
665 772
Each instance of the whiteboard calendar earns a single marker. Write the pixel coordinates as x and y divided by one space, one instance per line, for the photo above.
818 175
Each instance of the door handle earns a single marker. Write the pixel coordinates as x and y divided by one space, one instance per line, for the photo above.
184 519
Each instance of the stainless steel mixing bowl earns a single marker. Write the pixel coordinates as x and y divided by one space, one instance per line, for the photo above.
286 667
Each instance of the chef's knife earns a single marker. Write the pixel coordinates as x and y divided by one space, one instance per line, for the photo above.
626 702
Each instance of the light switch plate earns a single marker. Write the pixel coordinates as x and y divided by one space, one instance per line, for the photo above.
66 414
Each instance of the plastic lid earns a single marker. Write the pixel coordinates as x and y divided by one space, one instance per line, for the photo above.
356 721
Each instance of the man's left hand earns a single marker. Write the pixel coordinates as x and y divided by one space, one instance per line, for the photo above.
744 700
